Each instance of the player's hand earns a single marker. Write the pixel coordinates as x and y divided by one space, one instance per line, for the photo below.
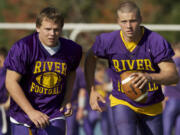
67 110
141 79
95 97
40 119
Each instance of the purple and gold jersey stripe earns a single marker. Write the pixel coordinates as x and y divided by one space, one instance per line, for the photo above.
151 110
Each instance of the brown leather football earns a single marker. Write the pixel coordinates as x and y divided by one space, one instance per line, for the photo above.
136 94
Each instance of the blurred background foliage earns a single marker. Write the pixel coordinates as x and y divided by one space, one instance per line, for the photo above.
85 11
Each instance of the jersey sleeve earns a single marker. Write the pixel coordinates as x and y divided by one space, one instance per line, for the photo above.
76 58
161 50
100 47
17 58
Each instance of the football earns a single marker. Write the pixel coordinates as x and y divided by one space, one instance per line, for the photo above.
136 94
48 79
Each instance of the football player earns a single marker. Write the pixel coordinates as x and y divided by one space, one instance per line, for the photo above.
133 47
41 70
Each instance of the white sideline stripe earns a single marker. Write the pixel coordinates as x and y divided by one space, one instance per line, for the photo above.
4 121
127 79
88 26
141 97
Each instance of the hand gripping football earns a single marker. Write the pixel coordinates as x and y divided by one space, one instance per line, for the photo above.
136 94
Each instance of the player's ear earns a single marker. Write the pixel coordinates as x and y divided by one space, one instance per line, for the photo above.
37 29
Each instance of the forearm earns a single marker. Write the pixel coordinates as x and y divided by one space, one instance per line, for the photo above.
90 65
16 92
164 79
18 96
168 74
69 87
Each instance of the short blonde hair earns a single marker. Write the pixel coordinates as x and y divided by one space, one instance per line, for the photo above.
51 14
129 6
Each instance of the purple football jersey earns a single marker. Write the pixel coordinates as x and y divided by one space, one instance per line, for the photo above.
78 83
151 50
43 75
174 91
3 91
